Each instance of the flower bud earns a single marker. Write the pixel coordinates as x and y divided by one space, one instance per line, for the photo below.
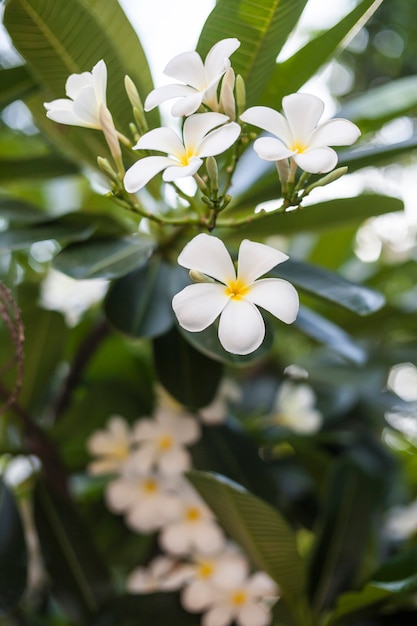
137 106
227 98
329 178
240 94
107 169
199 277
111 136
213 172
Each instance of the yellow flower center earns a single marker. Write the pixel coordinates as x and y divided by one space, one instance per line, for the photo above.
237 289
205 569
165 442
193 514
150 485
239 597
298 147
121 452
186 156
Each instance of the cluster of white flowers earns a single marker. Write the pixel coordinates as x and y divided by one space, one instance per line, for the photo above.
146 462
213 122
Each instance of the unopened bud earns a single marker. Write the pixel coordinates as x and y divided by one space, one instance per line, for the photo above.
240 94
326 180
227 98
137 106
107 169
199 277
213 172
111 136
283 168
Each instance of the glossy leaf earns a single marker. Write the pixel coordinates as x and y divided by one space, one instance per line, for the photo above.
262 28
78 573
330 286
63 230
188 375
41 167
291 74
104 258
139 304
260 530
13 554
15 84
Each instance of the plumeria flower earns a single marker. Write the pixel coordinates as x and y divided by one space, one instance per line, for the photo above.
148 501
163 573
298 135
232 597
216 566
233 296
112 446
295 409
162 440
193 529
86 92
201 79
205 134
216 412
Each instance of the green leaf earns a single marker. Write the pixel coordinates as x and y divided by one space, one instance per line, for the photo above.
104 258
259 528
318 217
15 84
158 609
291 74
28 168
326 332
79 576
64 230
139 304
13 555
343 534
188 375
330 286
377 155
262 29
21 212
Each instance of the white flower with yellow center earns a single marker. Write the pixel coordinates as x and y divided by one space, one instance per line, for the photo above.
233 296
162 574
204 134
162 440
295 409
298 135
148 501
232 596
112 446
86 92
201 79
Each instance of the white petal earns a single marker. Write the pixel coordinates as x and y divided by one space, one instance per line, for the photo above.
256 259
66 116
181 171
166 92
197 306
86 107
120 494
187 67
209 538
261 584
175 539
209 255
162 139
187 105
253 615
215 62
317 160
270 120
141 461
141 172
218 616
271 149
198 125
76 82
277 296
241 327
197 596
219 140
175 461
335 132
303 112
99 81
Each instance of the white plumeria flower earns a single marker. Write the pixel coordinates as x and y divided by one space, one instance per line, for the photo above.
216 566
86 92
112 446
162 574
295 409
193 529
234 296
148 501
162 442
216 411
202 138
201 79
236 597
298 135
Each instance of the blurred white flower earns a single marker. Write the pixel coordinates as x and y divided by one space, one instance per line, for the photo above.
235 597
194 528
201 79
401 522
85 93
216 411
234 297
201 138
111 445
161 442
295 409
298 135
162 574
216 566
148 501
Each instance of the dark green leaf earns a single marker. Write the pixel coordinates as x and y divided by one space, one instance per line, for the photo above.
139 304
104 258
330 286
21 212
365 156
79 576
258 528
13 556
262 28
63 230
188 375
326 332
29 168
15 84
158 609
